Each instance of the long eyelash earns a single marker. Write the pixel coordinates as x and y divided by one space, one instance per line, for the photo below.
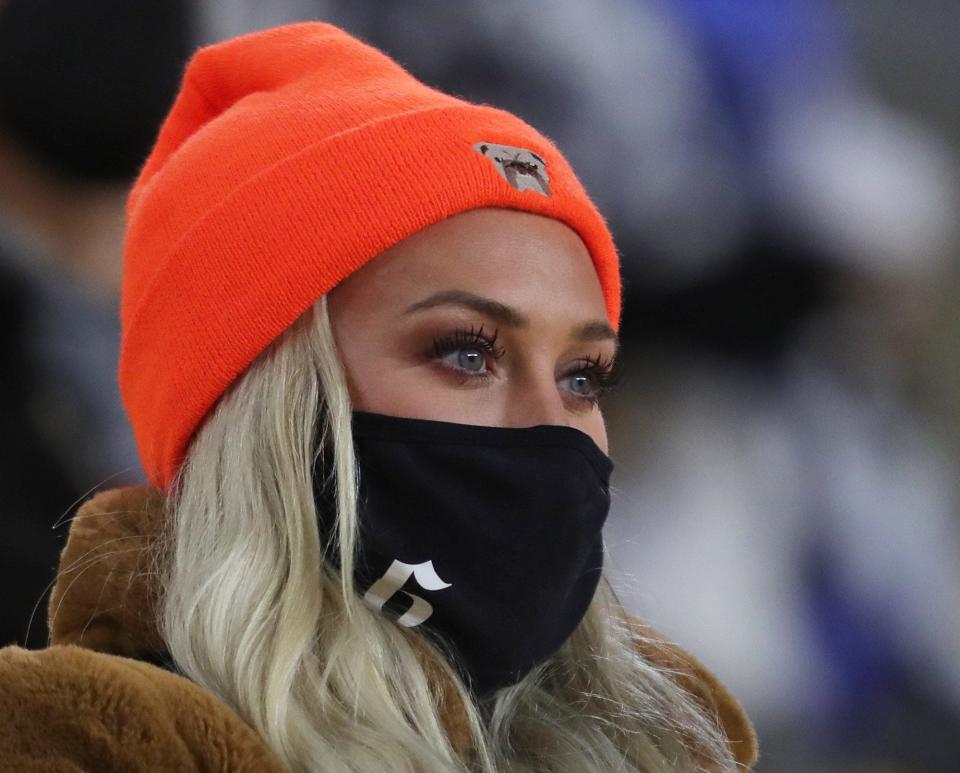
474 338
604 373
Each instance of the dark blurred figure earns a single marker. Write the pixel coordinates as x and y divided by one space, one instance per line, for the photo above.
83 88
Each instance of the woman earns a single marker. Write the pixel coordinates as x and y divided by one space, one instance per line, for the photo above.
365 330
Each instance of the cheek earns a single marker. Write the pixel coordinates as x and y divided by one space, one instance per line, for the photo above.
399 392
409 394
380 383
358 359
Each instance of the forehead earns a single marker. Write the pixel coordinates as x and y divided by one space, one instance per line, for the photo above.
517 258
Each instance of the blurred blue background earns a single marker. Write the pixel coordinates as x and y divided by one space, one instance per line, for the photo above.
782 178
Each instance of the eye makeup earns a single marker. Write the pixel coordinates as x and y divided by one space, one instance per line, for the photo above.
473 338
589 378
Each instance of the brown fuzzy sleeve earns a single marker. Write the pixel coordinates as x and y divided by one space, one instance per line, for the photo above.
67 709
105 597
701 683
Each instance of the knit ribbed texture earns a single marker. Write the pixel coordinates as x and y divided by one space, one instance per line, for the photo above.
290 158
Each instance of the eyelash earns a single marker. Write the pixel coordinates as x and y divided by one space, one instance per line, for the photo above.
601 370
604 375
475 338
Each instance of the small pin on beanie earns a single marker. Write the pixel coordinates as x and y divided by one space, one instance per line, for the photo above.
289 159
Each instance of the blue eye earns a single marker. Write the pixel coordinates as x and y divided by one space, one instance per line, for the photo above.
591 379
467 351
581 385
471 354
472 360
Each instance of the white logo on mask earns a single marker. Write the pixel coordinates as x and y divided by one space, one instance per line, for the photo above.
393 579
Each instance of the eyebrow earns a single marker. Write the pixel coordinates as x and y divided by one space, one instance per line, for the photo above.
598 330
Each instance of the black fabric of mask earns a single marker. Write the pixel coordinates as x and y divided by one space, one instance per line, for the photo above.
489 538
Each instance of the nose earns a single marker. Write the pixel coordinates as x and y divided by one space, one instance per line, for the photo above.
535 400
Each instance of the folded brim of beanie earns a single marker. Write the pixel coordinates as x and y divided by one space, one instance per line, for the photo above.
227 247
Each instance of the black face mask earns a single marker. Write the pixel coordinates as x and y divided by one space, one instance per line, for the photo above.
487 537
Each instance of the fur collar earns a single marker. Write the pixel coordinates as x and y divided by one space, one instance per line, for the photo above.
105 598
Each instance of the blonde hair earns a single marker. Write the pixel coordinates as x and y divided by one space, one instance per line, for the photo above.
253 611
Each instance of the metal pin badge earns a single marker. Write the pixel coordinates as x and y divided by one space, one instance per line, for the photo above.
522 168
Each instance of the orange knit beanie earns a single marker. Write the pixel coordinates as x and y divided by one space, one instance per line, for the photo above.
290 158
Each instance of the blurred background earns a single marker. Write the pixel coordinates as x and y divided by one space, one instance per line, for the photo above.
782 177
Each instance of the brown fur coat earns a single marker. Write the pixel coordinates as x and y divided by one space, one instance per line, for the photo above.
90 702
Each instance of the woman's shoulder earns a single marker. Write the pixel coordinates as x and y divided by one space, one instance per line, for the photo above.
70 708
703 686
